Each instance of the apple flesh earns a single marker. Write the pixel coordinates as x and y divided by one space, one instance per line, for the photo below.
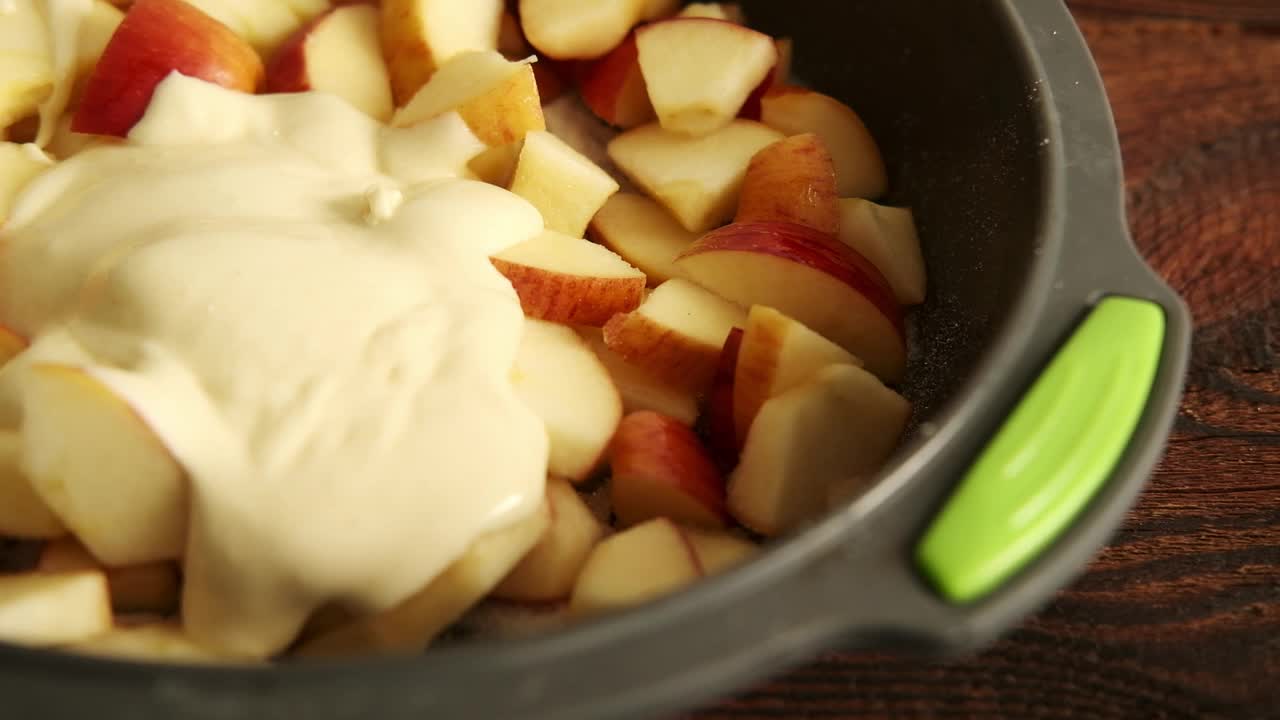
634 566
23 514
42 609
613 88
158 37
150 588
719 551
19 165
565 185
569 280
697 179
418 36
887 237
264 25
574 30
792 180
547 573
26 61
676 333
643 233
661 469
860 169
496 97
699 72
153 642
843 423
338 53
641 389
811 277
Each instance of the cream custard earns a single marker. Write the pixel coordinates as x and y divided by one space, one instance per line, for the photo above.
300 303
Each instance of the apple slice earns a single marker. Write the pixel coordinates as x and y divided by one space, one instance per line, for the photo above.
810 276
860 169
613 88
661 469
792 180
843 423
338 53
22 513
419 36
887 237
150 588
698 179
718 418
44 609
719 551
643 233
699 72
777 354
563 382
641 389
19 165
634 566
574 30
410 626
676 333
550 569
155 642
26 61
729 12
565 186
263 24
569 280
158 37
83 447
496 97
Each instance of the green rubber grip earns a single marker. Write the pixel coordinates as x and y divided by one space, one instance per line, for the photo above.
1051 456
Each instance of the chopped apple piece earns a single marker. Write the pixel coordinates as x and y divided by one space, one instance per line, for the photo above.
409 627
792 180
149 588
676 333
43 609
564 383
496 97
641 389
569 280
643 233
551 568
574 30
719 551
811 277
22 513
265 25
337 53
497 165
661 469
613 88
565 186
860 168
729 12
157 642
699 72
717 419
843 423
19 165
777 354
158 37
26 61
637 565
697 178
82 446
419 36
887 237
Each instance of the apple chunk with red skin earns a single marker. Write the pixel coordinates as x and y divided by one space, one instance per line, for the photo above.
643 233
811 277
418 36
641 389
792 180
497 98
860 168
887 237
158 37
613 87
576 30
661 469
570 280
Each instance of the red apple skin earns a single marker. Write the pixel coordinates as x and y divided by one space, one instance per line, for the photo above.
155 38
718 422
665 450
607 81
811 248
287 70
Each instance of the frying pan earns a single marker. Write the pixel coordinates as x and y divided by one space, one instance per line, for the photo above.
1046 372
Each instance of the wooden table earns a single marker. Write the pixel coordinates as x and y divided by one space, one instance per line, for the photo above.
1180 616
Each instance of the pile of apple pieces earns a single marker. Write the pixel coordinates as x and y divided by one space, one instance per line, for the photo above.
728 379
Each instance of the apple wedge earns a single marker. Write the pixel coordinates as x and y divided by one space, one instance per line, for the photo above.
574 30
19 165
729 12
337 53
719 551
811 277
661 469
860 168
634 566
42 609
613 88
844 423
569 280
887 237
697 179
641 389
23 514
149 588
717 418
547 573
154 642
777 354
418 36
643 233
566 187
563 382
100 468
410 626
265 25
26 61
792 180
676 333
496 97
699 72
158 37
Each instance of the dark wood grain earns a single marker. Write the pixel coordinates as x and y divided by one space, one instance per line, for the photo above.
1180 616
